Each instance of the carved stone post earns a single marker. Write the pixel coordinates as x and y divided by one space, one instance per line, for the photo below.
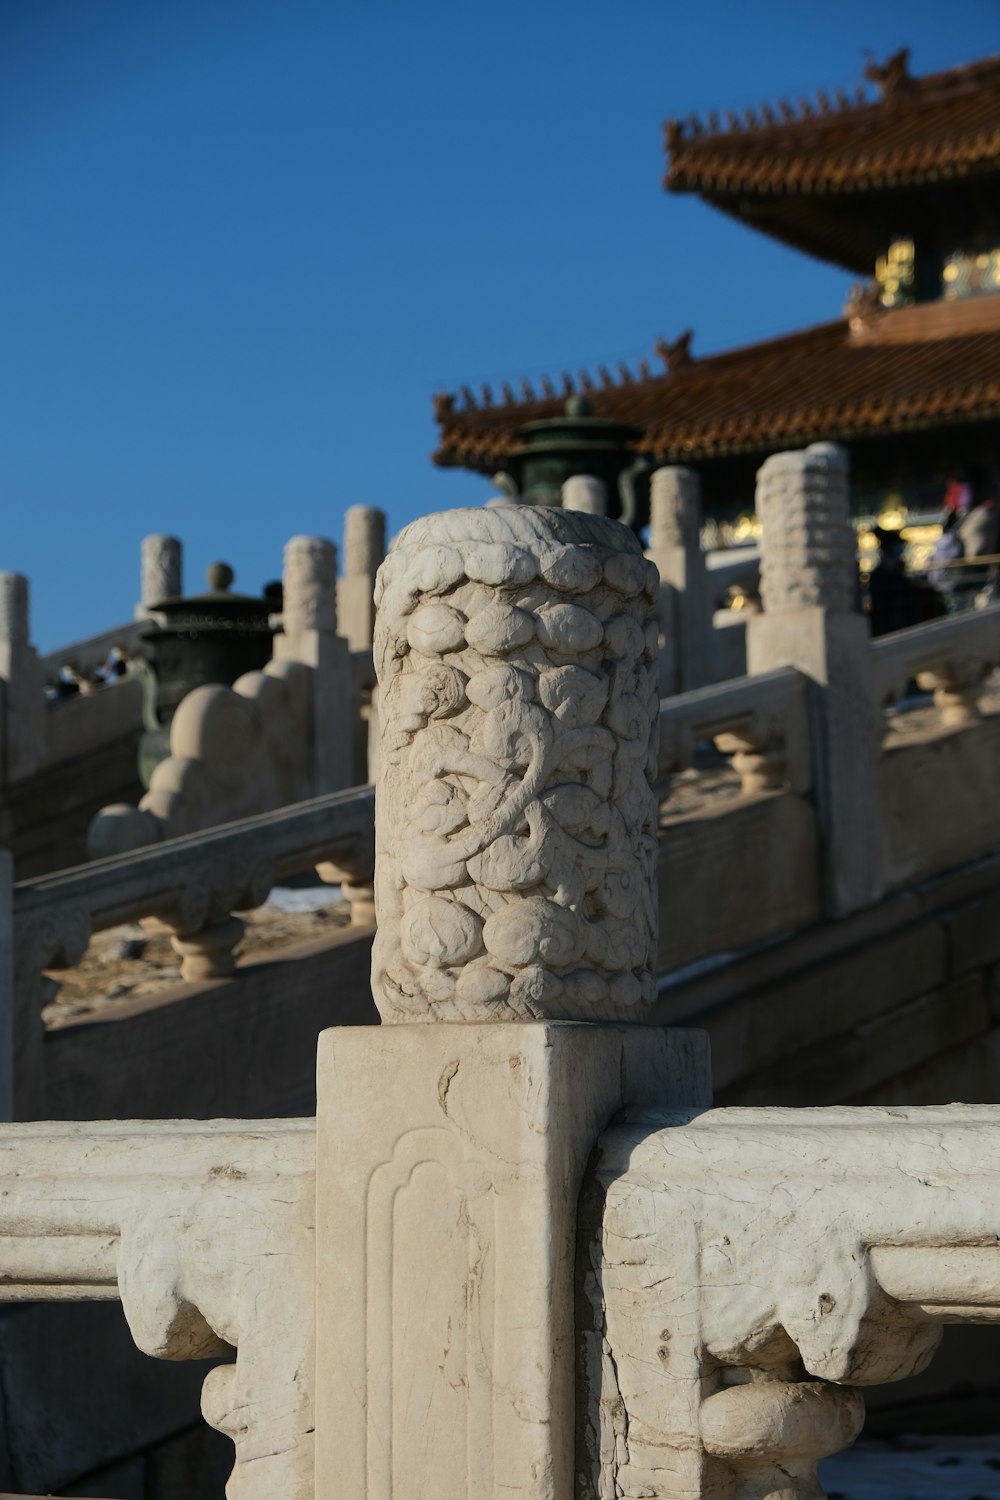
364 549
675 548
808 586
309 615
585 493
162 577
7 1009
515 824
515 851
22 698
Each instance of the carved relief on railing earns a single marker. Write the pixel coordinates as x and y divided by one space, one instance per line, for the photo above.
516 825
952 658
746 1268
807 551
205 1232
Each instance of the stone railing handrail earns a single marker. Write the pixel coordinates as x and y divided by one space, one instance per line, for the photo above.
762 714
822 1251
190 882
966 645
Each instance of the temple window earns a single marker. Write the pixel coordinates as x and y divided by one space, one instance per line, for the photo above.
969 273
895 274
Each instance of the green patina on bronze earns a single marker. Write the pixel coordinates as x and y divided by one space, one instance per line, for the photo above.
198 639
548 452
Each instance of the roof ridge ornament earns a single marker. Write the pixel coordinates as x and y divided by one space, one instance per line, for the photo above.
675 354
892 76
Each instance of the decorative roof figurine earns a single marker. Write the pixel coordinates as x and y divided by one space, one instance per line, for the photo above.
904 187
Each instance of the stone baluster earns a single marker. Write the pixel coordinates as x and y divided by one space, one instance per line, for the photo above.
584 492
760 767
808 588
162 575
211 952
22 697
515 858
957 689
309 635
675 548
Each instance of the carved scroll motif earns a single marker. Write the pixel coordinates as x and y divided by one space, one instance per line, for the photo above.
516 825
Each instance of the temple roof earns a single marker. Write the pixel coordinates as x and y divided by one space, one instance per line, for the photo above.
842 178
874 374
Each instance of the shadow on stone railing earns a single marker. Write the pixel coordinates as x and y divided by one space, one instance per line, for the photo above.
193 885
406 1285
936 782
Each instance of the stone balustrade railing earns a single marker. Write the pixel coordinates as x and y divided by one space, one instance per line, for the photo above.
762 720
821 1252
440 1287
176 1220
953 657
193 885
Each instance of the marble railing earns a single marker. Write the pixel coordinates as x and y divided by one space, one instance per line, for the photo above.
821 1252
193 885
953 657
762 720
439 1286
204 1232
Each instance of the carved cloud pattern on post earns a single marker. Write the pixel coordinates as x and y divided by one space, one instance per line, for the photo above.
515 824
807 543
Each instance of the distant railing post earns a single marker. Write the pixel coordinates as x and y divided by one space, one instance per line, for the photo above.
22 699
586 493
808 586
675 548
309 617
7 1009
162 576
364 550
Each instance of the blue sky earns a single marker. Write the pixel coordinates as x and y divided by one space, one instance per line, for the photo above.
245 242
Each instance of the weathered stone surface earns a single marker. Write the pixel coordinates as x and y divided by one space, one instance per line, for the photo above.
161 571
449 1159
205 1232
734 1252
585 493
808 575
14 609
309 585
515 825
807 551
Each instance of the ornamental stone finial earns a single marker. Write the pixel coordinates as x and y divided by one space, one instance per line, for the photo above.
585 493
516 824
364 540
807 544
674 509
14 621
161 570
310 585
